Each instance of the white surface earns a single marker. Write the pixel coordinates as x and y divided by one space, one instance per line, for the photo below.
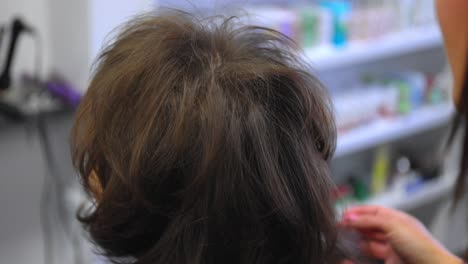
107 15
69 26
428 193
407 41
79 29
383 131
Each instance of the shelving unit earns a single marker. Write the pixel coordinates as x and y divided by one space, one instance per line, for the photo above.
326 58
384 131
429 192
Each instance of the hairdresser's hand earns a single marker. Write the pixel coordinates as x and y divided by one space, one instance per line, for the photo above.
395 237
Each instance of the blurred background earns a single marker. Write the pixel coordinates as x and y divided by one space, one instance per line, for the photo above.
383 62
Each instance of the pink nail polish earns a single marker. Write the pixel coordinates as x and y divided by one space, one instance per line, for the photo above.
351 217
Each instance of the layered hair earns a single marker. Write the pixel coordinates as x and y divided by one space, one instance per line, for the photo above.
210 141
460 123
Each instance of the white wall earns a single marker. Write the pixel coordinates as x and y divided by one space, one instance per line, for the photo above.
106 15
69 26
79 29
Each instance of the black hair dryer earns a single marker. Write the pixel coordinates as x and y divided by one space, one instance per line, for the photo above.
17 28
8 110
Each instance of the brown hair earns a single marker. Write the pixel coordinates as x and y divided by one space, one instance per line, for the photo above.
210 140
460 121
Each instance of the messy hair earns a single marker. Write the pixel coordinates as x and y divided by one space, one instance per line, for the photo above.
210 140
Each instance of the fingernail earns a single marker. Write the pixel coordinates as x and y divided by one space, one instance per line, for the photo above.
350 217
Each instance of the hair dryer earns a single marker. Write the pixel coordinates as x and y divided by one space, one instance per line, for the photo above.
16 29
8 110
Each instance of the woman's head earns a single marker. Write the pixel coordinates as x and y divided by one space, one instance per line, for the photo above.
210 142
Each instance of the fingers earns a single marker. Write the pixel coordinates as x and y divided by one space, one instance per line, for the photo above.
375 222
365 209
372 217
375 249
371 210
372 234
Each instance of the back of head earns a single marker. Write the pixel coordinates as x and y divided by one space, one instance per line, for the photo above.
210 140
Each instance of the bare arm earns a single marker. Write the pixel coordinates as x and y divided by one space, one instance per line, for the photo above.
453 19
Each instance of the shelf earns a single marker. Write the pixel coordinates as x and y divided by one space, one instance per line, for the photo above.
407 41
429 192
386 130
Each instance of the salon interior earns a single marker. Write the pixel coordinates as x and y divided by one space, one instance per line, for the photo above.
383 63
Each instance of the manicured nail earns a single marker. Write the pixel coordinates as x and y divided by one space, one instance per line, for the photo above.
350 217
